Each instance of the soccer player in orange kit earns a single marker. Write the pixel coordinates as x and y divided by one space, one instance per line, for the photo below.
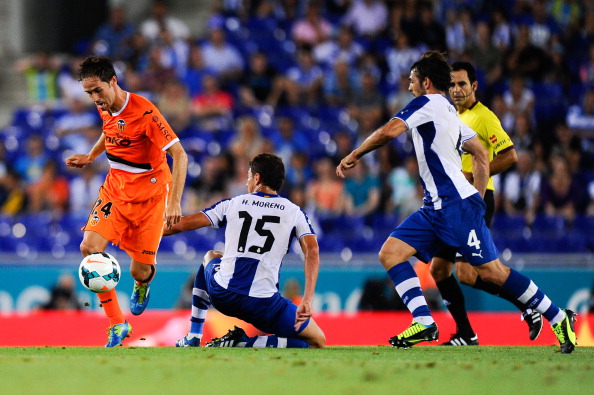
140 193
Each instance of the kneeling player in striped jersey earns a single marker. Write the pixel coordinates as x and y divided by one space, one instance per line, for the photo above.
242 281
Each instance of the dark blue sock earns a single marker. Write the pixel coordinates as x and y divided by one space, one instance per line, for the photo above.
200 302
531 297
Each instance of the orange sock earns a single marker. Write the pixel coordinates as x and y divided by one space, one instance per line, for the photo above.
111 306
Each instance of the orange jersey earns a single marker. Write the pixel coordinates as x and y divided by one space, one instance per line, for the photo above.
136 139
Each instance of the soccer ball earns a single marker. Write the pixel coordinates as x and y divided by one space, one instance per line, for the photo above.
99 272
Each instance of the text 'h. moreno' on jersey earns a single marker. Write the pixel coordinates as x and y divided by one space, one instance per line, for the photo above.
438 135
259 229
136 139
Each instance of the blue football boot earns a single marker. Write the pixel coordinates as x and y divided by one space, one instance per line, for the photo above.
118 333
140 298
185 342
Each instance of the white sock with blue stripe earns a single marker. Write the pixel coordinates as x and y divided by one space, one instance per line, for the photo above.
408 286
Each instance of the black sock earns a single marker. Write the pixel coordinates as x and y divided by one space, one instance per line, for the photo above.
454 299
498 291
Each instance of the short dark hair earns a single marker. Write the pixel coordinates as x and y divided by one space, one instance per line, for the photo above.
434 65
470 71
271 170
96 66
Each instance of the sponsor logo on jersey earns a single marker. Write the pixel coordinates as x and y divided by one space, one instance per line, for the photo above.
94 220
147 252
147 113
122 141
493 139
162 128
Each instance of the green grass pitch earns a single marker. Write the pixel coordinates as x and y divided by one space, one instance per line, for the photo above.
334 370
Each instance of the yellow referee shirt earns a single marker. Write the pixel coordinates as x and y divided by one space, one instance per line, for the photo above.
490 133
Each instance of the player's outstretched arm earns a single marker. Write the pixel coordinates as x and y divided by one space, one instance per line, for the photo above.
81 160
383 135
190 222
173 211
311 252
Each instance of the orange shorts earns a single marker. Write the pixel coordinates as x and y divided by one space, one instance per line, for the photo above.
136 227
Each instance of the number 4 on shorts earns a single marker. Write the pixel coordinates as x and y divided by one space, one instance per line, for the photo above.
473 241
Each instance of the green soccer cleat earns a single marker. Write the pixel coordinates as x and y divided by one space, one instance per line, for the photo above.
140 297
236 337
565 333
117 334
414 334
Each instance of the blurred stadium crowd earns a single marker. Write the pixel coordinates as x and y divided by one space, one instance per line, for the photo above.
307 80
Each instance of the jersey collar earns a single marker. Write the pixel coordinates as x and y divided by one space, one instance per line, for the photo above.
113 114
262 194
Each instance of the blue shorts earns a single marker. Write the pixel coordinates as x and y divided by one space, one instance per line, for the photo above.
460 225
274 315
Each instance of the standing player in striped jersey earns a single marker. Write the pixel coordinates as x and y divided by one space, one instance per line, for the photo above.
453 210
501 156
242 281
139 194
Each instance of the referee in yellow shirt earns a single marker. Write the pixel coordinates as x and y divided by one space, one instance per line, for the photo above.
502 155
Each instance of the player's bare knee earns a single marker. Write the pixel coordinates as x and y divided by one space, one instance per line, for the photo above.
87 248
318 340
386 258
210 255
141 272
439 271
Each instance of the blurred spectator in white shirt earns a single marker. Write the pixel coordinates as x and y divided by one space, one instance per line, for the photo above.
367 17
161 20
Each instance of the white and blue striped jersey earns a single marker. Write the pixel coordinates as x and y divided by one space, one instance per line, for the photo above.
438 134
259 229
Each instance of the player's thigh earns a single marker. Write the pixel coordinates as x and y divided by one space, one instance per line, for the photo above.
441 268
467 227
279 317
106 221
93 242
414 236
210 268
142 242
313 334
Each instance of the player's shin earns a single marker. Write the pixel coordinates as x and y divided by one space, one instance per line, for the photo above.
111 306
408 286
527 293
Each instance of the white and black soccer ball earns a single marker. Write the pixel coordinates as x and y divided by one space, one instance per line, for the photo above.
99 272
